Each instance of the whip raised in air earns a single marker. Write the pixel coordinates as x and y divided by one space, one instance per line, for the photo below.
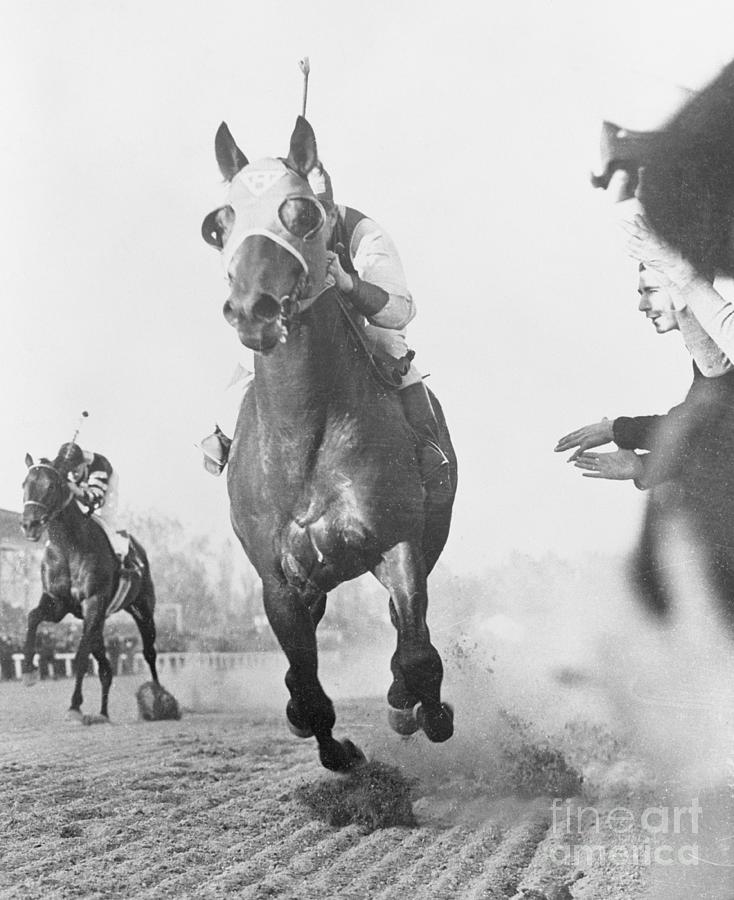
82 417
305 67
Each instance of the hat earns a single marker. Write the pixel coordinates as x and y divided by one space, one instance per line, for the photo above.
70 456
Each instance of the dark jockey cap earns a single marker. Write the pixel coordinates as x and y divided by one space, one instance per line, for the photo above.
70 456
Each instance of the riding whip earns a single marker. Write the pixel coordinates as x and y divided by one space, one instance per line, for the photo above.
305 67
82 417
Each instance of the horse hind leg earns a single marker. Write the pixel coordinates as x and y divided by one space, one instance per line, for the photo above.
416 665
142 611
309 710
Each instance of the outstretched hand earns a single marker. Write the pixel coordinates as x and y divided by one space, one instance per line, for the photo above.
621 465
586 438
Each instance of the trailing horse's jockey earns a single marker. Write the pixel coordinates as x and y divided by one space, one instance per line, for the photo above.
364 264
93 482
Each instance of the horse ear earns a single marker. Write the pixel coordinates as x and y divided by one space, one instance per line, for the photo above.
229 156
303 154
28 460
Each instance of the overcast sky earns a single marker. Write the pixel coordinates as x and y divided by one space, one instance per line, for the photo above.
466 129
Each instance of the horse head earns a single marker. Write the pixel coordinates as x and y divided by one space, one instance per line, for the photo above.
45 494
272 237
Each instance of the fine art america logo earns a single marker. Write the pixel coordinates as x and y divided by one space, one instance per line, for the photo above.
656 835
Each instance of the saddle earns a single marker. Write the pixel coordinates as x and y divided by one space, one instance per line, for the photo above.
129 571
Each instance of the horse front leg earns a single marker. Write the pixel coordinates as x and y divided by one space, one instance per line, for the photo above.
92 641
49 609
309 711
416 666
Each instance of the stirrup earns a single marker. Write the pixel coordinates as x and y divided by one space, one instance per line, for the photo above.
215 448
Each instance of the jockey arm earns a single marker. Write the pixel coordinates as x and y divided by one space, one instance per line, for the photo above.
91 488
379 289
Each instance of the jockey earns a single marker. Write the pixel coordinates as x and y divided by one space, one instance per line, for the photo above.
364 264
94 484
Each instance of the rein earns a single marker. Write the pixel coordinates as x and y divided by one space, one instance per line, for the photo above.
293 309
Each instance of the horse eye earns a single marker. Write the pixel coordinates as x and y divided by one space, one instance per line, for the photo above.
301 216
215 225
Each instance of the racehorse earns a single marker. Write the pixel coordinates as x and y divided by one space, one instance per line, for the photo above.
323 479
80 575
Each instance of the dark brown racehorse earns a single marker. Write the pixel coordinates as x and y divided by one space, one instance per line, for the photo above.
80 574
323 478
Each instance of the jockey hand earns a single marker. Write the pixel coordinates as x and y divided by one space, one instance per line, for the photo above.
75 489
586 438
335 274
621 465
649 248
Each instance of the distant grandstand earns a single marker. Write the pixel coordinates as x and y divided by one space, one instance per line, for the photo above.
20 564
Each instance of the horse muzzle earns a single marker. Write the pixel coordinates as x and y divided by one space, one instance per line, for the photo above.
32 530
259 324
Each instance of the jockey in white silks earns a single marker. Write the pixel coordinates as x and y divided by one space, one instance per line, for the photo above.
95 486
363 263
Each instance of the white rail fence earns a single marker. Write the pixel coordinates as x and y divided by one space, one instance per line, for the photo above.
166 662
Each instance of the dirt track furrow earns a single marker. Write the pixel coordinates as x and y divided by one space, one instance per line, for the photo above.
295 878
342 870
505 868
209 808
462 867
435 846
384 862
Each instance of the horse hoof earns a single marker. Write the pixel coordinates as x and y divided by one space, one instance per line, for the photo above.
300 729
95 720
75 717
437 722
341 756
30 678
403 721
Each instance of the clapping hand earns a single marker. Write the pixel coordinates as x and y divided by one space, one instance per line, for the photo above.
620 465
586 438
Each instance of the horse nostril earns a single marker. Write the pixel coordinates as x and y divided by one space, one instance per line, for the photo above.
266 307
228 311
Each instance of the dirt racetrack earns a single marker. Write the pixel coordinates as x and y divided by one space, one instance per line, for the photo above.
208 807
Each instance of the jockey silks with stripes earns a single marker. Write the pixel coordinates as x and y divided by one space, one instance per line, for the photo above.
94 484
363 263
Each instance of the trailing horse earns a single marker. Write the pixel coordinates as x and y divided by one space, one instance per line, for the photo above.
80 575
323 478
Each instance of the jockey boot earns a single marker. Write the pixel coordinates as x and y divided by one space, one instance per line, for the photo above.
434 464
215 448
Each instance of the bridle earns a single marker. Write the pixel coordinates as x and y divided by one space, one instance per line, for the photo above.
49 512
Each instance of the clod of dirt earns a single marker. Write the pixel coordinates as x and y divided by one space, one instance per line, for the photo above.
71 831
535 768
156 703
373 795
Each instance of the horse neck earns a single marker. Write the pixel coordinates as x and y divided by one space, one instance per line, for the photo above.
316 371
69 526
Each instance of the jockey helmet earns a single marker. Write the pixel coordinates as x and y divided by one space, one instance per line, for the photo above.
70 456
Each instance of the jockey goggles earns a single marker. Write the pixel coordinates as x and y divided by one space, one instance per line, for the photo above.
271 200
